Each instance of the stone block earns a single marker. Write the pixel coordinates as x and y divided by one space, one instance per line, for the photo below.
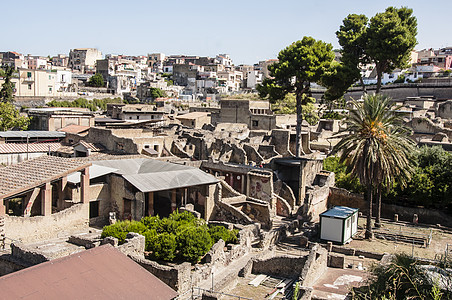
336 261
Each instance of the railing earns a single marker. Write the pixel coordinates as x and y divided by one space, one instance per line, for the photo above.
6 241
196 293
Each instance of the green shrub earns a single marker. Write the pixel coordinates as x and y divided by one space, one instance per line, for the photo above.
117 230
136 226
163 246
120 229
193 243
343 179
169 226
219 232
149 235
151 222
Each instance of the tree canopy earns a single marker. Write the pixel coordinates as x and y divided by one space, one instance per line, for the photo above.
156 93
10 118
97 80
376 148
386 40
7 92
298 65
391 36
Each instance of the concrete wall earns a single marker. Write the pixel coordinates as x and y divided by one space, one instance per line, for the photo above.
30 229
14 158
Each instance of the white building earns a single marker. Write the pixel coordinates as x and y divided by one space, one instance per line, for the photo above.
253 78
84 59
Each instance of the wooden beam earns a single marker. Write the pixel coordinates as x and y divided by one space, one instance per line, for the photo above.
29 200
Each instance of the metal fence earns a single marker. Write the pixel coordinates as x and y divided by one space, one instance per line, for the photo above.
197 292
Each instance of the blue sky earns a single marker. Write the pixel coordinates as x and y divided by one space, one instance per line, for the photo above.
248 30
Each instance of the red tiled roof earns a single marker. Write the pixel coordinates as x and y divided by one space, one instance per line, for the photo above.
76 129
26 175
98 273
31 148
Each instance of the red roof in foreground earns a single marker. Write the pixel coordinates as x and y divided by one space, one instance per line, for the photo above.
98 273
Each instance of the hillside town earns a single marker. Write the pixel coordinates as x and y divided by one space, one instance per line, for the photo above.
159 176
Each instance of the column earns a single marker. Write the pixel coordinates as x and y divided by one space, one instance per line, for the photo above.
150 204
84 184
61 186
2 208
46 199
302 183
173 200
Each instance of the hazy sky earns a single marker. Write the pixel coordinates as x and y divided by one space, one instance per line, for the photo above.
248 30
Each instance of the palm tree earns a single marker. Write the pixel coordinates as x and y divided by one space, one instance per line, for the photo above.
376 148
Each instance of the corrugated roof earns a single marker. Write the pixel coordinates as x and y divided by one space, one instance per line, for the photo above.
193 115
21 177
94 172
31 148
150 175
140 165
341 212
161 181
98 273
32 134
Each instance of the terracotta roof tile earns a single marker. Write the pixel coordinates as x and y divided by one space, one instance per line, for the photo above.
21 177
31 148
76 129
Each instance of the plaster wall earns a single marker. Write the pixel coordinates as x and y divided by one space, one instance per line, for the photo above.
31 229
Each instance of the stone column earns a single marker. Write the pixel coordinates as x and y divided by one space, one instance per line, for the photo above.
2 208
84 184
150 204
46 199
61 186
173 200
302 184
213 193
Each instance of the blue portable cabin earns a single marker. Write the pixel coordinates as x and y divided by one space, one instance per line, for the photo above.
339 224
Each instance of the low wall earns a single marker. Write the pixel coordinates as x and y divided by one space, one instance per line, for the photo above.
178 277
343 197
32 229
226 212
316 202
285 266
315 266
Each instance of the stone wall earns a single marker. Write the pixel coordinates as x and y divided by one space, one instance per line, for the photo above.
315 266
177 277
227 212
316 202
427 216
281 139
282 207
260 186
283 266
445 110
31 229
400 91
